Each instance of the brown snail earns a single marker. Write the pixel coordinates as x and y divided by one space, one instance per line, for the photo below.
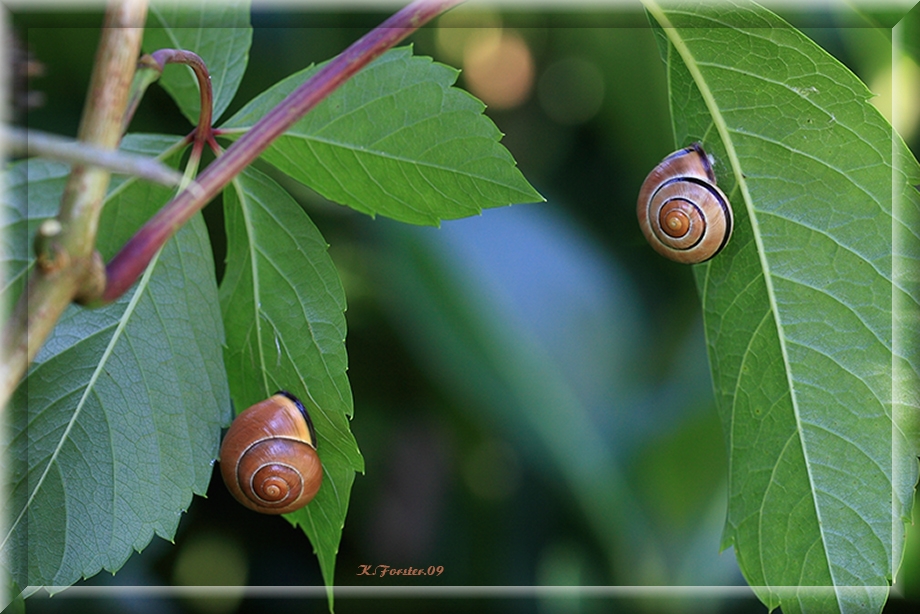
268 459
682 213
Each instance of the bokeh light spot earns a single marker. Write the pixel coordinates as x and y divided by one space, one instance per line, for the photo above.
212 560
571 91
499 70
457 27
905 80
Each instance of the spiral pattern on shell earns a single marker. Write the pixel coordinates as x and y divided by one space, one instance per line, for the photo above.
268 458
682 213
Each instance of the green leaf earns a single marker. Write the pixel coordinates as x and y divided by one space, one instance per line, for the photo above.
219 32
40 185
283 306
907 268
798 307
396 139
117 422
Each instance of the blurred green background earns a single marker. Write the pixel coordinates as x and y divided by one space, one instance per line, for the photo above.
531 388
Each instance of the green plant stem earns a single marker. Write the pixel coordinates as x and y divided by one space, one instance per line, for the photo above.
146 74
130 262
70 269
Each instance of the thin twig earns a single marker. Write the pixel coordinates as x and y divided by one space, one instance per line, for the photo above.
53 147
180 56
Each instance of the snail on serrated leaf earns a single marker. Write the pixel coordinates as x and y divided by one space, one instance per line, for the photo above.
268 458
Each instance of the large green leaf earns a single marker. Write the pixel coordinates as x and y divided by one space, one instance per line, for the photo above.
283 306
116 423
907 261
396 139
219 32
798 307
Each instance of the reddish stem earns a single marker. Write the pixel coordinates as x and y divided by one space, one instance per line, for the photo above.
162 57
130 262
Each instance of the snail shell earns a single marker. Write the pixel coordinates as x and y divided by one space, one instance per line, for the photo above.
268 459
682 213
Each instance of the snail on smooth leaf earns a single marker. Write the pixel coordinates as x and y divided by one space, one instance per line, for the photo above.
268 458
682 213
